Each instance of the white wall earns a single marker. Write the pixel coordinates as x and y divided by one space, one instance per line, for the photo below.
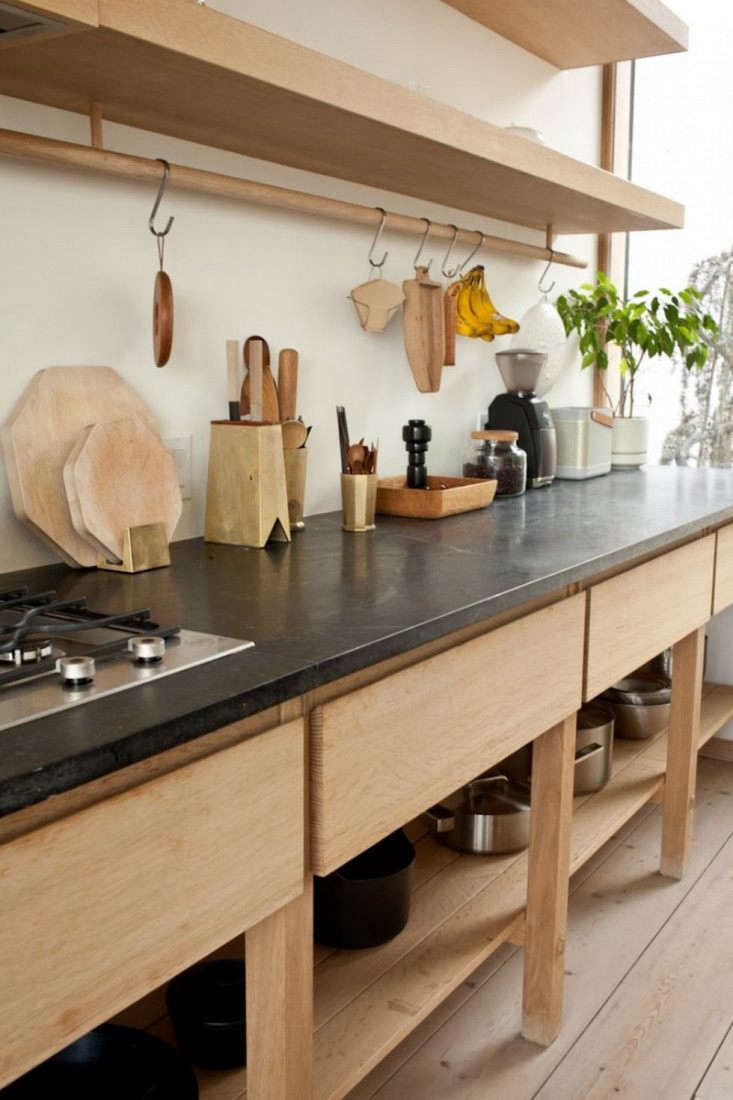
682 140
78 262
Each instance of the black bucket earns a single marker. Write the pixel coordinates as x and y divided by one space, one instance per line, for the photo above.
367 901
113 1063
206 1006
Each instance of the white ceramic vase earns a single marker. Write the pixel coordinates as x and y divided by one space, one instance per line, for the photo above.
630 442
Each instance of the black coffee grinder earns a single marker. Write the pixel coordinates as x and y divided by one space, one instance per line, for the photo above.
520 410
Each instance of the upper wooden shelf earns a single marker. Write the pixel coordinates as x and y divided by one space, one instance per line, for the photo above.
174 67
573 33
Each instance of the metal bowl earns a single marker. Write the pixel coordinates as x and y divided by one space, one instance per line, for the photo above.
520 368
643 691
637 722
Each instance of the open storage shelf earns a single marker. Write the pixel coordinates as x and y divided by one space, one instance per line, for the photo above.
185 70
464 907
573 33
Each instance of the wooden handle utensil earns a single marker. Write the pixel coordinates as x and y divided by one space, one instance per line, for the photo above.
270 405
255 367
287 383
450 313
233 386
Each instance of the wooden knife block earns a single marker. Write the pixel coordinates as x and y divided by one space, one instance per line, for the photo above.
246 495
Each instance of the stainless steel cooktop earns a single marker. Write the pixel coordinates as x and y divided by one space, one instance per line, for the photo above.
56 654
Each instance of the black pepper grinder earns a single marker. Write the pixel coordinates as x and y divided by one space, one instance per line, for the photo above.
417 435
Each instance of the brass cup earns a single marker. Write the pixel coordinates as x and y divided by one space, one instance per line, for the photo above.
296 463
359 499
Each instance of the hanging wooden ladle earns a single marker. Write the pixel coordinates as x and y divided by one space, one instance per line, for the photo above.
163 289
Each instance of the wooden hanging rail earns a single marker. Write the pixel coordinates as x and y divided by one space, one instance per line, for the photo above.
94 159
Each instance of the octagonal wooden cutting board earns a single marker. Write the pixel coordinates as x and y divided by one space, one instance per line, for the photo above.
120 475
38 437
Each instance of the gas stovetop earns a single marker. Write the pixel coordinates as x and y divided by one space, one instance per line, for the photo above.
56 654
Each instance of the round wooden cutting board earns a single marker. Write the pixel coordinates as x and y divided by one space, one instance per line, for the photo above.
120 475
39 435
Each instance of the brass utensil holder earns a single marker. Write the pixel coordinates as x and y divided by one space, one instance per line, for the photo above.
296 465
144 547
359 499
246 495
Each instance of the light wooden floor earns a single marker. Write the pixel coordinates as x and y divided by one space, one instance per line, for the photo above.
649 993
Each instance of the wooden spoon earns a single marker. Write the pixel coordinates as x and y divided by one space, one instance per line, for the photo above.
356 457
270 412
295 434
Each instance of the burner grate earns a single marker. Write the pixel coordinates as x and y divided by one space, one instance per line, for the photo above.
30 625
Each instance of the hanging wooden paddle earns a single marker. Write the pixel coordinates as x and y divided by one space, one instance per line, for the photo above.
163 289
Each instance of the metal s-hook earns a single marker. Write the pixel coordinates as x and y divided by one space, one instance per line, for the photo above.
423 242
378 264
546 289
156 204
472 253
447 273
160 234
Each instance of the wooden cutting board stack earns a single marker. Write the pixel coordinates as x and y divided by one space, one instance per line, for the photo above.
85 462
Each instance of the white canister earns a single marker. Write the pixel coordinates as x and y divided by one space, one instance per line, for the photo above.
583 442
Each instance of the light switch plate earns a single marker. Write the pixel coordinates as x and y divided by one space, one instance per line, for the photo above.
181 447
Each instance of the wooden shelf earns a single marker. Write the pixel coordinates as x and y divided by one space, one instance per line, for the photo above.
185 70
573 33
463 909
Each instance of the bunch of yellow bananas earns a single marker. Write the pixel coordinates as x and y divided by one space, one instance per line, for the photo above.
476 314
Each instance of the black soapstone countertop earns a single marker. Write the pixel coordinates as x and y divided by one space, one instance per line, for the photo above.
331 603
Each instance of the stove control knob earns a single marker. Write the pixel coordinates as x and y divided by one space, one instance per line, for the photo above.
147 650
76 671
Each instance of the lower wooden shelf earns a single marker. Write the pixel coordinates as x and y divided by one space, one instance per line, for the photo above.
464 907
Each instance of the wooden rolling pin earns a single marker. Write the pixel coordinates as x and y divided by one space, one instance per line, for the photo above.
287 383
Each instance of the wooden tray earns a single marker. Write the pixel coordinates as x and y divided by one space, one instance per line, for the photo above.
446 496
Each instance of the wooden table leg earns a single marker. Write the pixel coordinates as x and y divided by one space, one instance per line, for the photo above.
279 953
547 883
684 735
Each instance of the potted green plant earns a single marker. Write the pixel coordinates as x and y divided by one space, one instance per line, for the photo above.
648 324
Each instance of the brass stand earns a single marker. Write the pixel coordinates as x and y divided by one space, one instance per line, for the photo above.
144 547
296 463
358 497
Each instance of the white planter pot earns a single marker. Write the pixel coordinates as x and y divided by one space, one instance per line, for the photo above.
630 442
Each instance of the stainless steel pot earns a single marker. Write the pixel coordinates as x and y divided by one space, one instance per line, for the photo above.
637 722
644 691
640 705
489 816
593 748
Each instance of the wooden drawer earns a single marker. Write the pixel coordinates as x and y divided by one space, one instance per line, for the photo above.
723 592
104 905
382 754
639 613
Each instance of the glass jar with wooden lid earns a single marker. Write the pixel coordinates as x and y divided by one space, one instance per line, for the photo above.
495 454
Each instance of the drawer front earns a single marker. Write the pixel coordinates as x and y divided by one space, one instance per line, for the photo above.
385 752
723 593
101 907
637 614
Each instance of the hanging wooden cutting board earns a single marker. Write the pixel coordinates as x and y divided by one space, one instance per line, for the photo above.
120 475
424 330
38 437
